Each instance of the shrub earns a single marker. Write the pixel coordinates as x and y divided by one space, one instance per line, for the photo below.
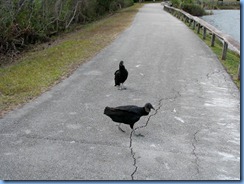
128 3
118 4
28 22
176 3
193 9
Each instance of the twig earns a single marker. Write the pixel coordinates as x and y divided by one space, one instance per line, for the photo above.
76 6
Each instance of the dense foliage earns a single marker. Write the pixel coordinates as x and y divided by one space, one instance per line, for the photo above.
29 21
190 6
193 9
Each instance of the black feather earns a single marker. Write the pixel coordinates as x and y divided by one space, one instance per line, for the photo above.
129 114
120 75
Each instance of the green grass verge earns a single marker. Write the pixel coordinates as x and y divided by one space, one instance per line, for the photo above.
232 61
39 69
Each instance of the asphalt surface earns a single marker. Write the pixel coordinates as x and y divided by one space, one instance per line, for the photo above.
194 134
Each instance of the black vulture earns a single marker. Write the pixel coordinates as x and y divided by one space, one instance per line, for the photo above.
120 76
128 114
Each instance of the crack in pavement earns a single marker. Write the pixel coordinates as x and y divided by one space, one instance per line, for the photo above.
133 156
194 150
213 73
178 94
227 79
156 111
131 140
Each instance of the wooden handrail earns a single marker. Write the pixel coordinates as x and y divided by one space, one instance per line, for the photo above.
227 39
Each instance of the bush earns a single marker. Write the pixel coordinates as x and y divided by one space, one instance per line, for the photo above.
28 22
118 4
128 3
175 3
104 6
193 9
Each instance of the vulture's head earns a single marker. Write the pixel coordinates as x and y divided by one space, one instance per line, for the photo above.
121 63
148 107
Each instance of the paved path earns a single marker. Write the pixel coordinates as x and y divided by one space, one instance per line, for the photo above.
194 133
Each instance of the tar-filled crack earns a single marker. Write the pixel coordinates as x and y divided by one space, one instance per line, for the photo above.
133 155
131 140
156 111
212 73
225 75
194 151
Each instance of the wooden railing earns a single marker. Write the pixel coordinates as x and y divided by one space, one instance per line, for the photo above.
198 23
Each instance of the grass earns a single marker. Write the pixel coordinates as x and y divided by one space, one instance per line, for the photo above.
44 66
232 61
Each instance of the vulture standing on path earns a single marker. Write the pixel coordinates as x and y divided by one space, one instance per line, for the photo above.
120 76
129 114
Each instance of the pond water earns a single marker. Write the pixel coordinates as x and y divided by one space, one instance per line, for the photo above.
227 21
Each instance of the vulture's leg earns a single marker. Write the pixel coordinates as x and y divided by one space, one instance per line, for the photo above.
123 87
120 128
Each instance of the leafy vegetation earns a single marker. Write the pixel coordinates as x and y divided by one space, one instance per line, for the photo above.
218 4
189 6
193 9
37 70
24 22
197 7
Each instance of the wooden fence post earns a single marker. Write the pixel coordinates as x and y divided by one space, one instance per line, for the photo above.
182 17
194 24
224 51
198 28
186 19
204 32
197 24
212 39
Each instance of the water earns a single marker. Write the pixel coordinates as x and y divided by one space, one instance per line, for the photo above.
227 21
